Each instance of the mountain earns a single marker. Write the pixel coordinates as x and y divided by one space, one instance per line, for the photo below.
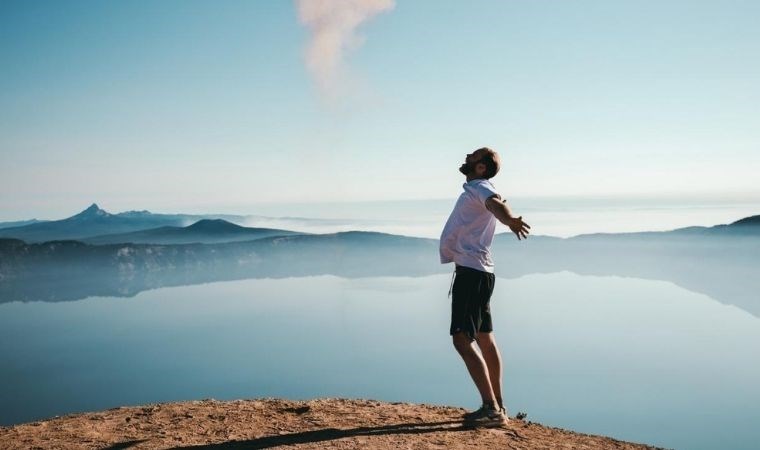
206 231
748 226
19 223
95 221
92 212
721 263
747 221
91 221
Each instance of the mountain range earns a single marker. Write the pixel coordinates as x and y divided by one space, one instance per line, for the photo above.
94 221
97 226
722 261
206 231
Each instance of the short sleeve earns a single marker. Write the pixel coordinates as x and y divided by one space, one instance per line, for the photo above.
484 191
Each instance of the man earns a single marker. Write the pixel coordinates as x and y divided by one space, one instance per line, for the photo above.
466 241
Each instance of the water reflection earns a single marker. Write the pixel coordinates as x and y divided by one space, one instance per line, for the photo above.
727 268
638 360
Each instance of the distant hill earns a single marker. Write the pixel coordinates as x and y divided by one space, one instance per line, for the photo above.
751 221
748 226
722 261
19 223
95 225
742 227
95 221
717 261
206 231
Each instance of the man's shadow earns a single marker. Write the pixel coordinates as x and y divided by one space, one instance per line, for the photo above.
328 434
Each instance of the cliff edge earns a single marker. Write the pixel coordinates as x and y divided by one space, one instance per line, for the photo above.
275 423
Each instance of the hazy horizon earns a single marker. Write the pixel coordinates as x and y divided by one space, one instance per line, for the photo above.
554 216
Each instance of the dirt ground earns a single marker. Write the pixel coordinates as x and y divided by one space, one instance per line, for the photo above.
275 423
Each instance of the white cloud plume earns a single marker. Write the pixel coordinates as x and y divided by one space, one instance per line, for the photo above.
333 25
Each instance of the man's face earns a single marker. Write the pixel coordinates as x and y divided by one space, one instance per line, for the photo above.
470 162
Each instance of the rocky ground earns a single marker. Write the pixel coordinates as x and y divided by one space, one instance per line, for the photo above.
276 423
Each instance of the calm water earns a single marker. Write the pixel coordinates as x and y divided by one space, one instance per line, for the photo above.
637 360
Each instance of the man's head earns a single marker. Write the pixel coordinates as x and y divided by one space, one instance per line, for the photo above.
482 163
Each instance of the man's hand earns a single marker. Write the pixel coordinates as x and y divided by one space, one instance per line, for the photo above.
519 228
499 208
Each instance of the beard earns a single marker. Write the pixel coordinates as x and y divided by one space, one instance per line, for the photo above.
466 169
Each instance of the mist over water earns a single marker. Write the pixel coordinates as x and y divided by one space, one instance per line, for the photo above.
547 216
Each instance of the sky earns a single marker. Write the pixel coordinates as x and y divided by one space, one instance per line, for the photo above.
189 106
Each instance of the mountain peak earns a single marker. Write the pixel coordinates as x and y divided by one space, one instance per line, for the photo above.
93 211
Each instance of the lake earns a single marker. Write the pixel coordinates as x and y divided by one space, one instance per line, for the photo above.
637 360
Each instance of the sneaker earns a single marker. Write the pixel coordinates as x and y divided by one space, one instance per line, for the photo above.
486 415
476 412
479 411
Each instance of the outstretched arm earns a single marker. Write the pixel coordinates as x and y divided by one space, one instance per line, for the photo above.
501 211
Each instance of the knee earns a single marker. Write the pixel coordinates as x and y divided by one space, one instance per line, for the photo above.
485 340
462 343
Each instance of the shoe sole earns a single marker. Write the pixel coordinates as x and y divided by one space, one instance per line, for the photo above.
486 423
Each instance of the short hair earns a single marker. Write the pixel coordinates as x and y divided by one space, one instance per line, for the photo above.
491 167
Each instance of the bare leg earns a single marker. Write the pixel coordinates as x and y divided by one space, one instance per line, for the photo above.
492 358
476 366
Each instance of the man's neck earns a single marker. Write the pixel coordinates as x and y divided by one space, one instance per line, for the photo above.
474 177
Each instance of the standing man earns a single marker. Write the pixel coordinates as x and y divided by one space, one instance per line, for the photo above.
466 241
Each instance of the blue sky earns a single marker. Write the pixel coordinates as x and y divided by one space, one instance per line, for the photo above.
187 105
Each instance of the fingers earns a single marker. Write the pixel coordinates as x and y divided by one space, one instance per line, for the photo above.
520 234
521 231
517 232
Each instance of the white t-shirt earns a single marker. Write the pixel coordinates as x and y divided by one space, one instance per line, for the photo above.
467 236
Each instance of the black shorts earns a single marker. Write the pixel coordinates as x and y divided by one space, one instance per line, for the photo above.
470 301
